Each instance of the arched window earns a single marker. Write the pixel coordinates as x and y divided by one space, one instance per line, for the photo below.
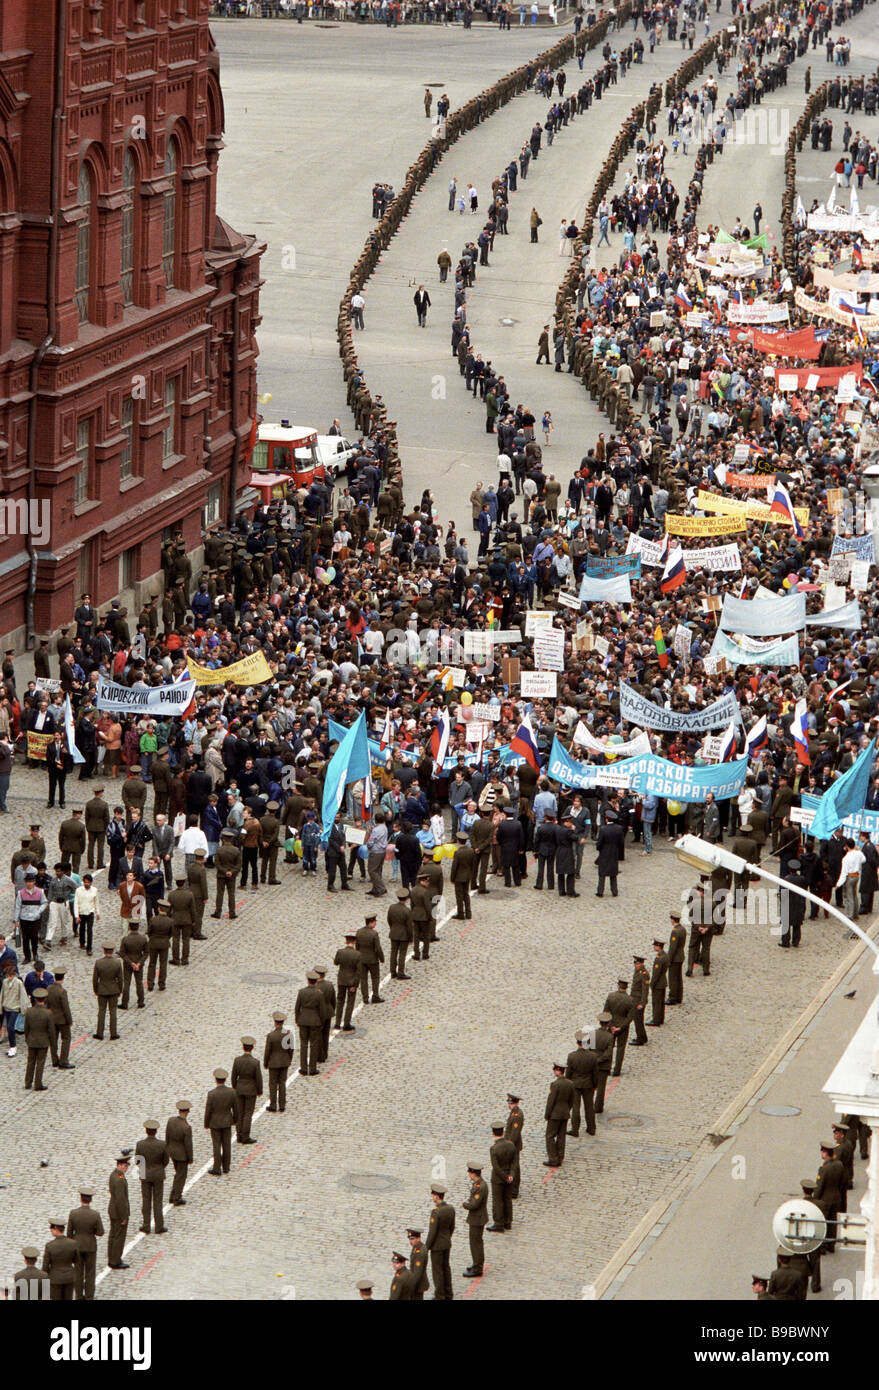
83 245
128 225
169 229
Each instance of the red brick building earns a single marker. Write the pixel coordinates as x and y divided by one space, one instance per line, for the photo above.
128 308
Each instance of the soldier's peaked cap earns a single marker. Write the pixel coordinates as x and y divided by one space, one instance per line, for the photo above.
439 1188
220 1074
278 1016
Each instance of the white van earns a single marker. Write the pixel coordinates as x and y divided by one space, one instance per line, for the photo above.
333 451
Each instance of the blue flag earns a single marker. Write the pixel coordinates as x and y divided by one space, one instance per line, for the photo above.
845 797
377 754
349 763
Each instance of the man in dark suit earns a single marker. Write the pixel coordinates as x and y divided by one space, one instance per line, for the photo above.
545 842
558 1109
58 762
511 842
421 300
609 847
219 1117
178 1138
793 905
566 838
869 872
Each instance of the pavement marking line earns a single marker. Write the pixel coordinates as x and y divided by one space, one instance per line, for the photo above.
474 1283
81 1039
334 1067
691 1175
197 1177
251 1156
401 997
150 1264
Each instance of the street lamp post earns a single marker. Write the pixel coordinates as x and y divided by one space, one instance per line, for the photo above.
853 1086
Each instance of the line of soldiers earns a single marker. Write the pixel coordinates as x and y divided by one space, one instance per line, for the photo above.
70 1256
796 1272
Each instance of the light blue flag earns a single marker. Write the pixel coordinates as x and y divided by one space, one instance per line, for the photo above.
845 797
349 763
377 754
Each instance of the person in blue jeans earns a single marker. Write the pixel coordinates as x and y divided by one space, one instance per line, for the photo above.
649 807
13 1002
310 840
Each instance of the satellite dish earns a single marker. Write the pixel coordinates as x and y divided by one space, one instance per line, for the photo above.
799 1226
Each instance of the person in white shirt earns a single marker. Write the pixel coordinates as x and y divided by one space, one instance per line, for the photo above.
86 911
849 875
357 303
192 838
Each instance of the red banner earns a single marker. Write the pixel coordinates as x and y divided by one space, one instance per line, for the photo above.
746 480
798 343
827 376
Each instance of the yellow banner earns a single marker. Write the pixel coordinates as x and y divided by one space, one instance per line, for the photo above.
704 525
37 744
250 671
749 507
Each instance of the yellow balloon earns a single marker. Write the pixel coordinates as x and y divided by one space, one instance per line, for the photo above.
674 808
466 698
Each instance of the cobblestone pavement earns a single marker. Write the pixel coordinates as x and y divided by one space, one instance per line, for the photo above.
325 1195
441 429
315 115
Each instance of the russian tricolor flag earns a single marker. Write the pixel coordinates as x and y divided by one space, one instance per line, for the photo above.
758 738
674 572
682 299
728 743
800 733
524 744
782 505
439 740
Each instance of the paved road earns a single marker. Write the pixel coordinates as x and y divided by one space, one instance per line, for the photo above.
325 1196
315 115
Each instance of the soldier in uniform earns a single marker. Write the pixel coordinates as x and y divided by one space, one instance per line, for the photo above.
178 1139
247 1085
504 1158
371 955
328 990
421 898
829 1191
227 862
513 1130
481 832
621 1009
604 1042
418 1262
461 873
347 960
277 1057
364 1287
97 819
677 942
151 1157
556 1114
845 1152
181 901
786 1284
401 932
439 1243
59 1262
58 1004
161 776
159 942
219 1117
658 985
197 883
30 1283
118 1212
701 932
85 1227
581 1069
311 1010
638 993
476 1207
133 950
39 1037
72 840
402 1283
269 844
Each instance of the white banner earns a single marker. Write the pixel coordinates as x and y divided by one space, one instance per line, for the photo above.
632 749
536 618
154 699
760 311
847 617
711 557
549 649
615 590
762 618
538 685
